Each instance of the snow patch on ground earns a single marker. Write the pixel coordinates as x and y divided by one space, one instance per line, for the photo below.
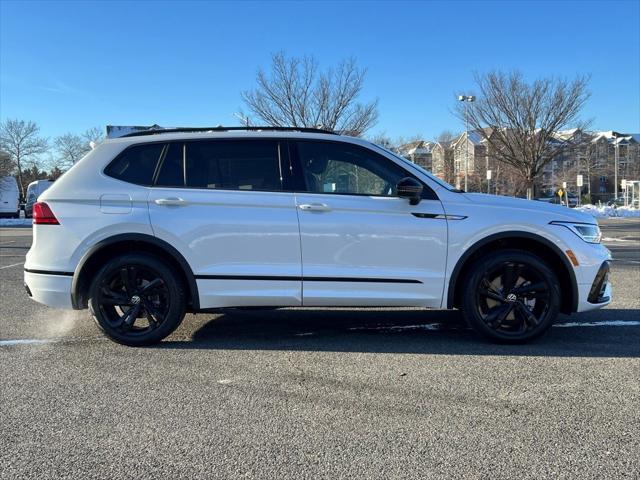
606 211
605 323
15 222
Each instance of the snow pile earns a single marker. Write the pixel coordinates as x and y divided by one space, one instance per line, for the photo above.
15 222
607 211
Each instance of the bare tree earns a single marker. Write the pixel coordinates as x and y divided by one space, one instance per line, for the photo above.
525 118
93 135
21 140
70 148
6 164
444 139
383 140
296 94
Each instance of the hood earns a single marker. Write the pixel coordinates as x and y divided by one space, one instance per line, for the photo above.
558 212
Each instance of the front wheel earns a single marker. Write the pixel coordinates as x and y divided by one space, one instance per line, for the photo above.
137 300
511 296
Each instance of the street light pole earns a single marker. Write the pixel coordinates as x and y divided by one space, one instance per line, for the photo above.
615 165
466 99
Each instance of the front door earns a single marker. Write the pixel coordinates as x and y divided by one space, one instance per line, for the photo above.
221 204
361 244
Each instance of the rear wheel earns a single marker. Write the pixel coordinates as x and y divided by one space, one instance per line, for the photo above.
136 300
511 296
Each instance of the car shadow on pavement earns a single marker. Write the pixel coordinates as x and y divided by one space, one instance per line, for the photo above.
412 331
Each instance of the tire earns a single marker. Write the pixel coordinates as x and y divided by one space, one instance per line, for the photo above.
511 297
136 300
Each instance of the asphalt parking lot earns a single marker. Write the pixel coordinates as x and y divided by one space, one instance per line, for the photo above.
321 393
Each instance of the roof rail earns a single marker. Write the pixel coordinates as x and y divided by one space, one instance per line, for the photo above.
155 131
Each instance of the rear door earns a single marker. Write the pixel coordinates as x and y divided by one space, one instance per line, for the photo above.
361 244
221 204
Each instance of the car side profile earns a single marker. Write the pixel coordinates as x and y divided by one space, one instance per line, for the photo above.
155 224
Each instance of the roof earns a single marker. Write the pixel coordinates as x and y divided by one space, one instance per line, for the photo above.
419 147
114 131
614 137
475 136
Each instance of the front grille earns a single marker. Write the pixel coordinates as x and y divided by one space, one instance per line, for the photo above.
596 294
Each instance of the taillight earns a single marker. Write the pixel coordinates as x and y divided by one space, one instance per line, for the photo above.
42 215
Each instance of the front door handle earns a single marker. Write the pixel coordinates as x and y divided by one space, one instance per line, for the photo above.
315 207
171 202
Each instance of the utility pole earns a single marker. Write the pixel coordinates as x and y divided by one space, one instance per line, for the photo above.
466 99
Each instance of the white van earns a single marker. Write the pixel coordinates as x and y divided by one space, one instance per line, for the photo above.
34 190
9 198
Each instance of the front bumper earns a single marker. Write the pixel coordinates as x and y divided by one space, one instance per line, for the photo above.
51 290
598 293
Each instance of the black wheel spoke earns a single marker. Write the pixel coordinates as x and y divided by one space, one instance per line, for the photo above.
113 297
153 286
487 290
153 323
498 314
526 315
510 276
153 311
128 280
531 288
130 317
492 295
119 300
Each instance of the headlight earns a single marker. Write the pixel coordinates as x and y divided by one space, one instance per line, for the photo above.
586 231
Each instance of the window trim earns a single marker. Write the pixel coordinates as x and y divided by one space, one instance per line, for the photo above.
428 193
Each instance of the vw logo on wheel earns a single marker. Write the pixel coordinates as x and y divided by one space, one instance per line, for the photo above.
511 297
135 299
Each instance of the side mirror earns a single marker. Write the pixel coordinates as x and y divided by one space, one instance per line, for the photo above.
411 189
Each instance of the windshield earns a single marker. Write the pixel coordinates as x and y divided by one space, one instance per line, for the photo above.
439 181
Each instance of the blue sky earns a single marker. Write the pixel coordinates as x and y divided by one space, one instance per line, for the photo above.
73 65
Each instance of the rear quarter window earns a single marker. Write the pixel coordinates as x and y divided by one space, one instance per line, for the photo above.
136 164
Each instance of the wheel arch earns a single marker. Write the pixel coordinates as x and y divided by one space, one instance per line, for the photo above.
526 241
95 257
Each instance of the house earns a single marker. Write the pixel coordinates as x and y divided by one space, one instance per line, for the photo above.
419 152
593 155
442 161
473 146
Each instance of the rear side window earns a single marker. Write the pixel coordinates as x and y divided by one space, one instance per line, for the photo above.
136 164
233 165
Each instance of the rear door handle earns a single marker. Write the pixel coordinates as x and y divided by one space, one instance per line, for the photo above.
171 202
315 207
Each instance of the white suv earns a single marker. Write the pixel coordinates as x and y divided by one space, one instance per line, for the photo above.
156 224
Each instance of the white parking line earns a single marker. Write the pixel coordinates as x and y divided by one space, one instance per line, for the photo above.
44 341
9 266
26 341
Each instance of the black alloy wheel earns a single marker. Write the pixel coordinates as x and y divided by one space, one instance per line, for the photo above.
136 300
511 296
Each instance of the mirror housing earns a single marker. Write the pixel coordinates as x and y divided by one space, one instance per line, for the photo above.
411 189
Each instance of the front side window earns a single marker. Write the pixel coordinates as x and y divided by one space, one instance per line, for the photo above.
331 167
233 165
136 164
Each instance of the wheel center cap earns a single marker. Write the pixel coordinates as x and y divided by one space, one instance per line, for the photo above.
135 299
511 297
